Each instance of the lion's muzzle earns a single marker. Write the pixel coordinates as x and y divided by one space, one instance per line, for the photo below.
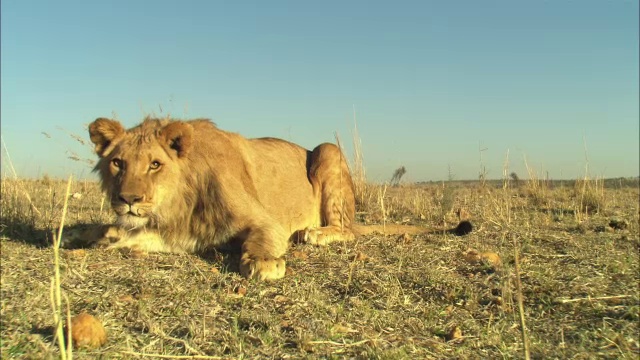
132 211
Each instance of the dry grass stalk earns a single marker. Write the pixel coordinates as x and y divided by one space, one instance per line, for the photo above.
591 197
161 356
615 297
158 331
536 190
358 172
71 154
102 204
334 343
448 199
69 337
66 352
505 172
506 181
15 176
483 169
523 325
352 267
590 200
382 192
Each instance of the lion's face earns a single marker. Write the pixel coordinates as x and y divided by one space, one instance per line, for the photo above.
141 176
141 168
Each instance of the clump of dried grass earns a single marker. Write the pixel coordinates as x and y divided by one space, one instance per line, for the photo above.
364 192
448 197
404 293
536 190
589 195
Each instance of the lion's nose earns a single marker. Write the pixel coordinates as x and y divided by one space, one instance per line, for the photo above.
130 199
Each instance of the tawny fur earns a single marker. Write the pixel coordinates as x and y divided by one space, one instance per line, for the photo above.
216 188
185 186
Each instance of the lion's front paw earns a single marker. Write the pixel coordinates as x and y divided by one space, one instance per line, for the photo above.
263 269
85 236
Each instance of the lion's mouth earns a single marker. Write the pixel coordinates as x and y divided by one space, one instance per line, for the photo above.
132 210
130 221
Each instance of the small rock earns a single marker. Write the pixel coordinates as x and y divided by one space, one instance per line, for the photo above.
360 257
133 253
341 329
126 299
404 238
281 299
472 257
491 258
75 254
241 291
454 334
299 255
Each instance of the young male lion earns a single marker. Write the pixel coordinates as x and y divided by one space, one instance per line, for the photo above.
185 186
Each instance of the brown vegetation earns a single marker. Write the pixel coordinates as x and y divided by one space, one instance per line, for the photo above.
377 297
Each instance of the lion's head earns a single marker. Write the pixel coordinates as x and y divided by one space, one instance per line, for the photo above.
141 169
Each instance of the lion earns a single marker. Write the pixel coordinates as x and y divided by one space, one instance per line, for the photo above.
187 186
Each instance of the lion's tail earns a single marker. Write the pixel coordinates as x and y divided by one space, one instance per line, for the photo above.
463 228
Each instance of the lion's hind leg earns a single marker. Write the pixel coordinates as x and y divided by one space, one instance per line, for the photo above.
330 176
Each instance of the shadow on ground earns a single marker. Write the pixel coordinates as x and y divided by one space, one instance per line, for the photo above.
25 232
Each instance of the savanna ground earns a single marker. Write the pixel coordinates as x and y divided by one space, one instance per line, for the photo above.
385 297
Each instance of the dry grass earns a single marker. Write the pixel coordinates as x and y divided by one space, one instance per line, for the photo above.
591 195
378 297
363 191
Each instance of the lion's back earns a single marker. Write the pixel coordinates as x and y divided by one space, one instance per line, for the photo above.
281 176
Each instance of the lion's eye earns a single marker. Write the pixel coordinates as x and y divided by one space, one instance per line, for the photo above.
155 165
116 163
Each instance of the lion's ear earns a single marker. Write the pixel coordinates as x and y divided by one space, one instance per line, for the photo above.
102 132
177 135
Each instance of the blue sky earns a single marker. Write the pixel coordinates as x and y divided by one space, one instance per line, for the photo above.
431 82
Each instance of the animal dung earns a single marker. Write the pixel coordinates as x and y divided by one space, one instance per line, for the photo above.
87 332
475 257
492 258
